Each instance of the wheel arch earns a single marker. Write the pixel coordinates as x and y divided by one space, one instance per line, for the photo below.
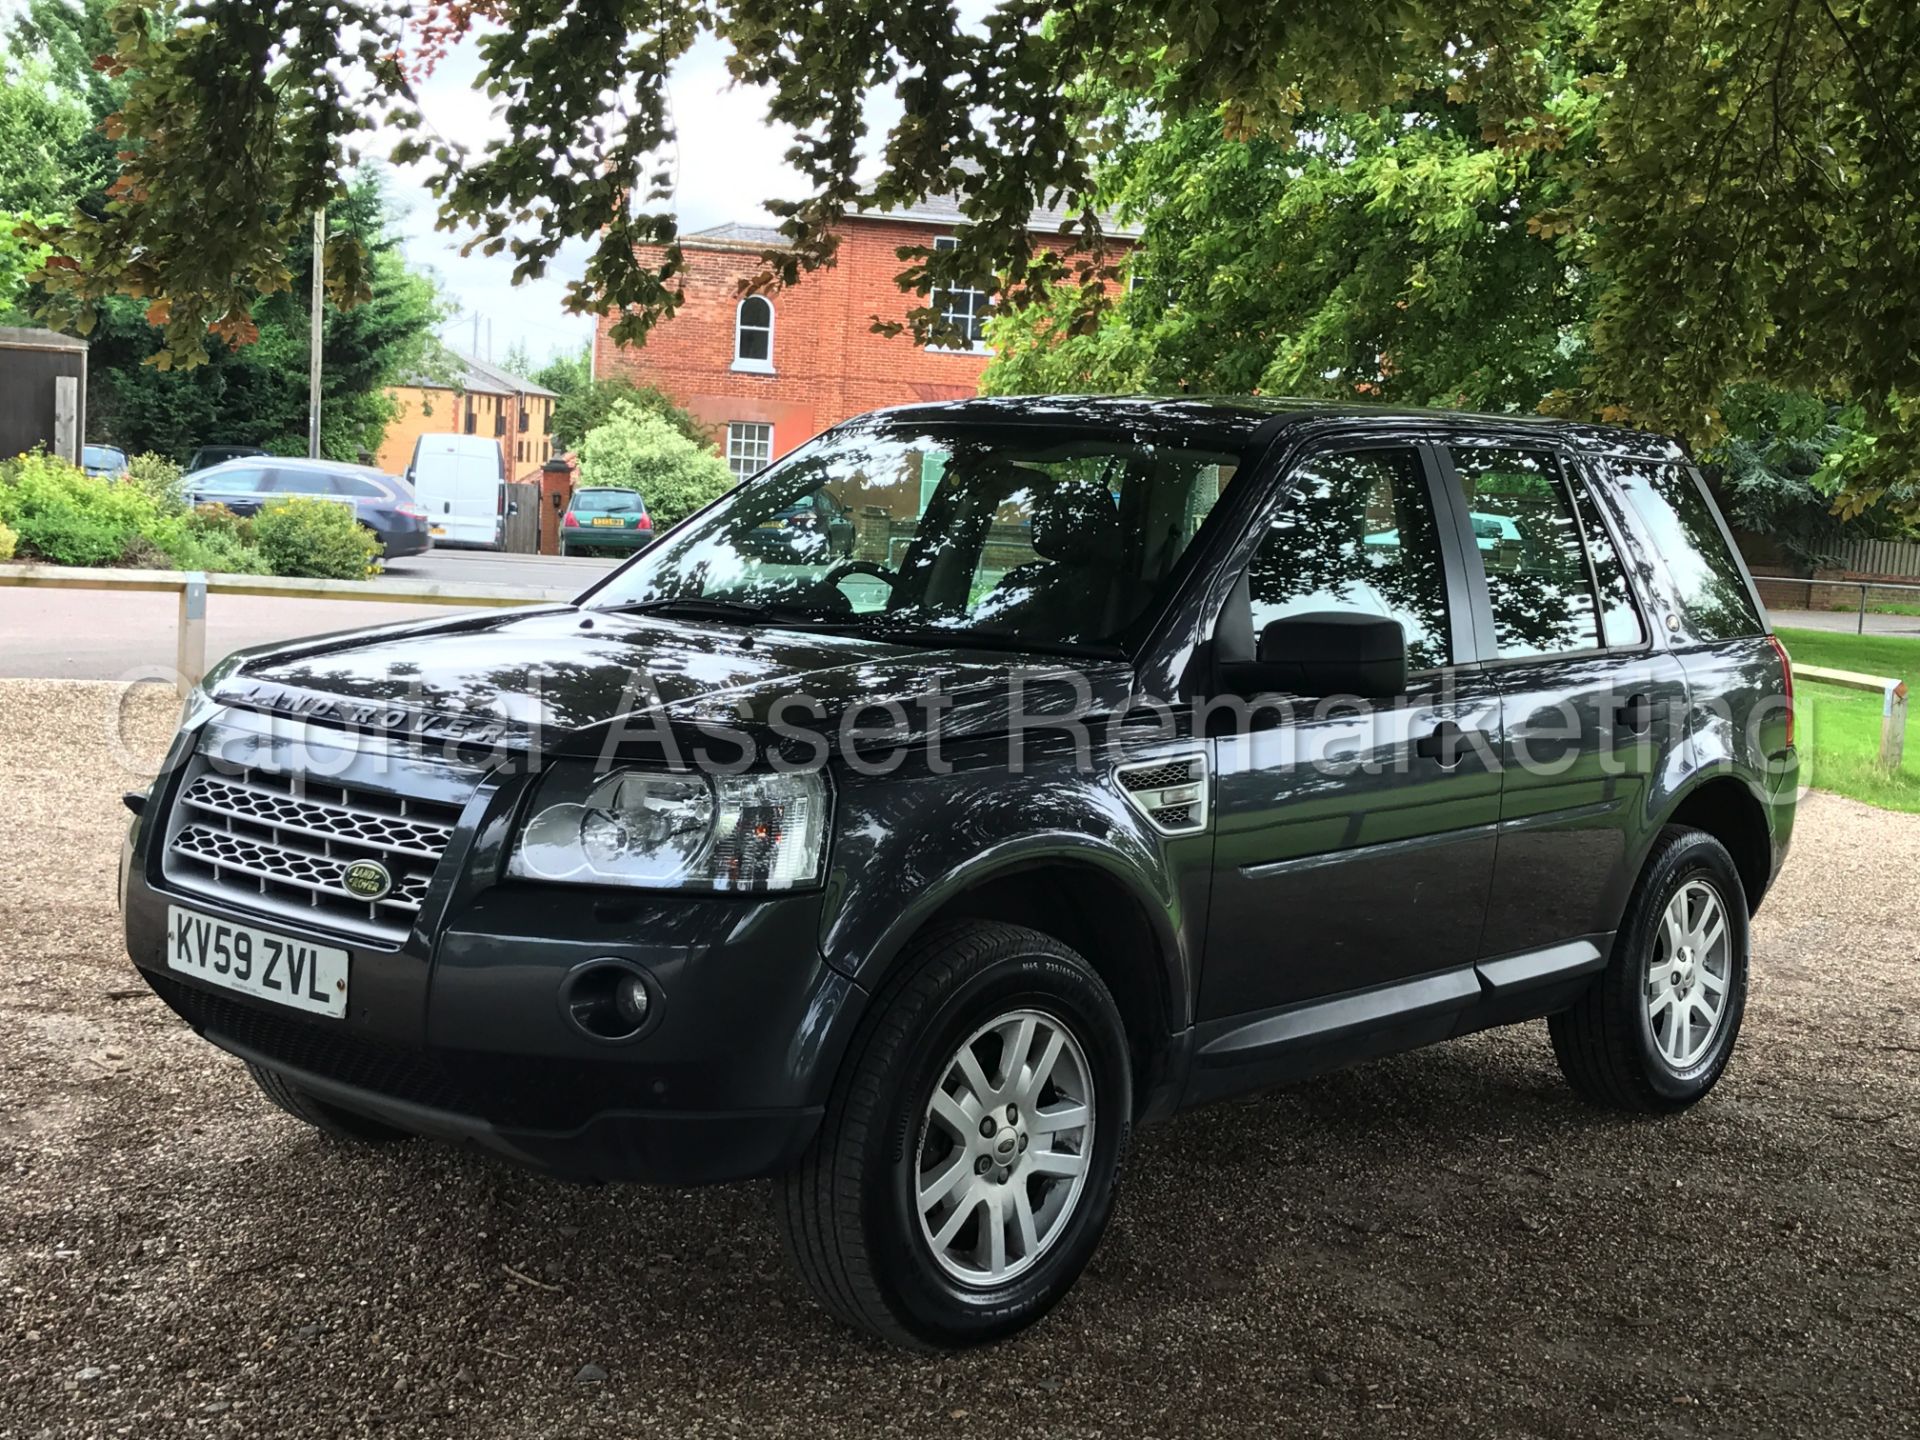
1092 900
1727 808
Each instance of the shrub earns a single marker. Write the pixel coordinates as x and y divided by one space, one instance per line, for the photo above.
62 514
7 541
208 522
300 536
580 411
53 511
158 478
638 450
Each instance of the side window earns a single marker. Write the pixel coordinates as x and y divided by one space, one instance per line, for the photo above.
235 482
298 482
1537 580
1682 530
1619 621
1357 533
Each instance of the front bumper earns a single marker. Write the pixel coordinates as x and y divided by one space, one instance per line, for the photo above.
458 1033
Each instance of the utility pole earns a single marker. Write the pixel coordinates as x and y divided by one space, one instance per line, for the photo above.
476 335
313 341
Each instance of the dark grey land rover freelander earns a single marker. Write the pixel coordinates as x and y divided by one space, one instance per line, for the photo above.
1129 755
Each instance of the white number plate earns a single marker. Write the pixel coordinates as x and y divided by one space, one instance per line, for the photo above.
258 962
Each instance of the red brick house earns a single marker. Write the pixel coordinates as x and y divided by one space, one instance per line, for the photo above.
769 372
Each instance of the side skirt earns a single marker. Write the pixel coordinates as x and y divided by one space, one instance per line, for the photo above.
1247 1052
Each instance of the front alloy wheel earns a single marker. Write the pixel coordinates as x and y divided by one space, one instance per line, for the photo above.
966 1165
1002 1158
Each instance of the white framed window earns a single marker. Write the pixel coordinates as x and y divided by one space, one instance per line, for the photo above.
964 310
753 335
749 447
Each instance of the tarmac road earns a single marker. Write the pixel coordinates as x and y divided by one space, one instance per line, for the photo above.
109 635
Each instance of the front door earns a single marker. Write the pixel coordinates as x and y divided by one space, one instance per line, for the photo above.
1354 839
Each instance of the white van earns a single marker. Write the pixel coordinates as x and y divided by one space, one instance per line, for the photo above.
461 480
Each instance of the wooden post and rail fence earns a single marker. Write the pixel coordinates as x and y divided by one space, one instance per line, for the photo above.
193 587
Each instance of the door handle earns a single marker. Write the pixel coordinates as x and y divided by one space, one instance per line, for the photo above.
1635 714
1441 744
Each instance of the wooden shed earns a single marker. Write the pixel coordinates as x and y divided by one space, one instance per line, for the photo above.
43 392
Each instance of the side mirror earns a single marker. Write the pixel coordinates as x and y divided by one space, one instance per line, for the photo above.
1328 653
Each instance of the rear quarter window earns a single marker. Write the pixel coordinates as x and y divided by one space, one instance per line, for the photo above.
1681 526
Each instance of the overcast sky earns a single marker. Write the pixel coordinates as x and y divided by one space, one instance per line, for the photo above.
730 164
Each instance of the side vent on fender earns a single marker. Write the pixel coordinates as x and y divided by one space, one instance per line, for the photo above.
1170 794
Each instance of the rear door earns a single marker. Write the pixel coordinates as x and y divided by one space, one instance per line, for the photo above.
239 489
1355 839
1586 691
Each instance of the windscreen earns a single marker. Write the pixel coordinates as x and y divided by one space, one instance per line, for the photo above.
1021 532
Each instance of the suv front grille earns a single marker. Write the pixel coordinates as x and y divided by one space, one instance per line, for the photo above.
280 840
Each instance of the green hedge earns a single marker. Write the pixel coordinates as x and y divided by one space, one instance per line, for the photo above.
55 512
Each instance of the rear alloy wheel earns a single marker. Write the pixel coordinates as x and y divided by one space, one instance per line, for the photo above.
1656 1028
966 1165
1688 975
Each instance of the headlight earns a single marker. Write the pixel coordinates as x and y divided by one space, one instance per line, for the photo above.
657 830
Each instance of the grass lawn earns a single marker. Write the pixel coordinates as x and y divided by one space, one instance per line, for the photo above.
1839 729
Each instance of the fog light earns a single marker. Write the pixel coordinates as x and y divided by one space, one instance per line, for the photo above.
609 1000
630 999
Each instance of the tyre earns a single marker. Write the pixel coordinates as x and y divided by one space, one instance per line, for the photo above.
1656 1028
967 1163
328 1119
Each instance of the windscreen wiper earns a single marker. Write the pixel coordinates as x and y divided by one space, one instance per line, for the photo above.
696 607
939 637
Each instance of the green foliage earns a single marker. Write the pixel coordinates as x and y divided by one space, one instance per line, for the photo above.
588 406
42 127
638 449
305 536
1728 179
1372 256
8 541
567 374
19 258
62 38
256 393
57 513
159 478
63 515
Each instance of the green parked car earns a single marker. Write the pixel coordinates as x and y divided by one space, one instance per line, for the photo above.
605 518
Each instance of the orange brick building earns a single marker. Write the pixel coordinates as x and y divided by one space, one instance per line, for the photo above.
769 372
475 399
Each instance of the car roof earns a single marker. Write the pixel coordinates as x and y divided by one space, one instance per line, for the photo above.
296 462
1249 413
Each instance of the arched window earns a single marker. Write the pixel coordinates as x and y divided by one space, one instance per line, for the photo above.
753 334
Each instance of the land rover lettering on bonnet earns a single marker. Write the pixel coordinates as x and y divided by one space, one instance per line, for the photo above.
1084 761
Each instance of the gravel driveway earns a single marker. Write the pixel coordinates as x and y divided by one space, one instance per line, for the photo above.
1442 1243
